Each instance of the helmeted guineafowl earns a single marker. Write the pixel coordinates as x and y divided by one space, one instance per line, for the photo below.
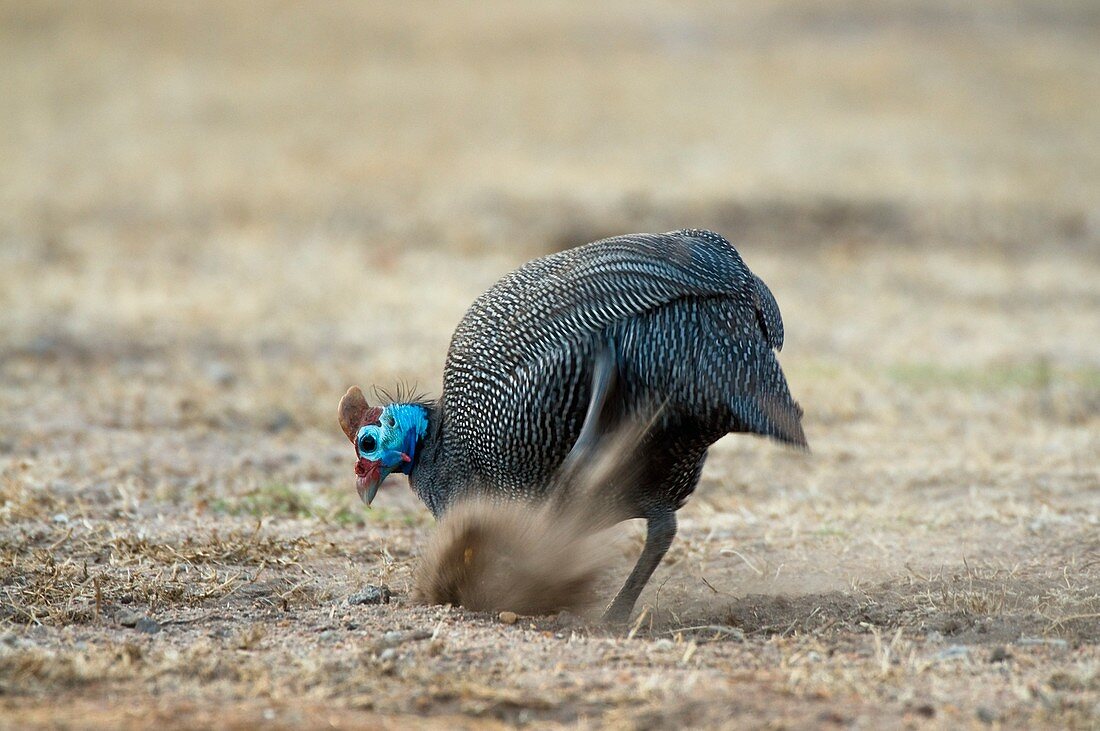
671 328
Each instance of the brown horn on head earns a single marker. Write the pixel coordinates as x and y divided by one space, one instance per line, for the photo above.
352 412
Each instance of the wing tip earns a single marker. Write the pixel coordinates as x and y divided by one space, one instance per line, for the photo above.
796 440
784 423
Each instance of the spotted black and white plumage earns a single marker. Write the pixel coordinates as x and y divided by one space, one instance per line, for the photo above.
687 329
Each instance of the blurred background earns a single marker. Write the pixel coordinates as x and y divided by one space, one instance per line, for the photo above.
339 180
214 217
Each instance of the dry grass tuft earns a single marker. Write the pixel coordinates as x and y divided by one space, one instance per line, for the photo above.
84 575
215 216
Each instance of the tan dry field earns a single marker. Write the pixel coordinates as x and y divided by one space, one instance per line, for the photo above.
216 217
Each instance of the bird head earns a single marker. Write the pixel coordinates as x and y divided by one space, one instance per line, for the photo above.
385 438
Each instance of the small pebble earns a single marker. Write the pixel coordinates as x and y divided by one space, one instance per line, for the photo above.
60 518
662 645
388 654
392 637
1000 654
372 594
129 619
147 625
508 617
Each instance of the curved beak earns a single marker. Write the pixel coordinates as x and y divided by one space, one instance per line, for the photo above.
368 476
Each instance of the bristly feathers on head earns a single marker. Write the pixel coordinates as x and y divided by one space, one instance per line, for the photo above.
403 393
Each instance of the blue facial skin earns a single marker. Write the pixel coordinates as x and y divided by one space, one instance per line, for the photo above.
392 442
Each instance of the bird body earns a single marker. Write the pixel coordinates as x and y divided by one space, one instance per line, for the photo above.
670 329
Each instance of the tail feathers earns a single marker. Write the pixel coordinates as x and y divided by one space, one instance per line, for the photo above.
778 417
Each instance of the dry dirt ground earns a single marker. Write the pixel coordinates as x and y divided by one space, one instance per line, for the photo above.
214 219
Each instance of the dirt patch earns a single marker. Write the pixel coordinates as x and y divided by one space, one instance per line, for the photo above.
216 217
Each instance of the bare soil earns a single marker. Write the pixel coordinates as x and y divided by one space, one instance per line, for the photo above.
214 218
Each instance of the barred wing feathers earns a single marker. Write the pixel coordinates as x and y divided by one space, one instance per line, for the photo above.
686 314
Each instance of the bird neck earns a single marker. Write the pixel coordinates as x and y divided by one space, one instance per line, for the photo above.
412 421
430 473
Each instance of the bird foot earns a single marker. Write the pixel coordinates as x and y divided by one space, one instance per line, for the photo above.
617 614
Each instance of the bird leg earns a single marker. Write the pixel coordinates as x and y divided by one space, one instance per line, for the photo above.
595 434
660 530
